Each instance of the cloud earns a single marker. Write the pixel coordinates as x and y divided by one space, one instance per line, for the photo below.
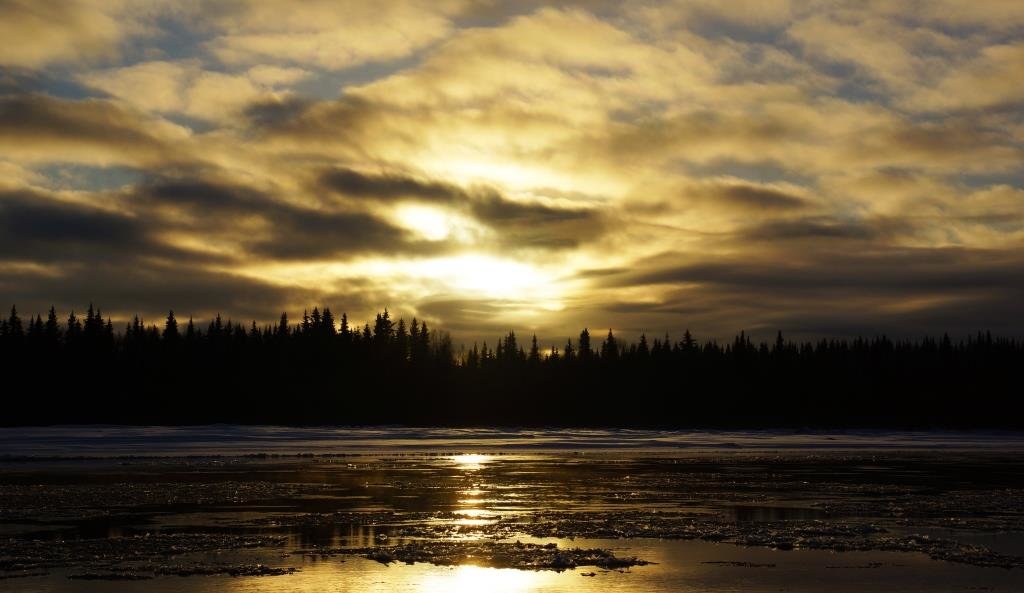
326 34
273 76
122 290
36 34
148 86
37 228
517 223
985 82
732 196
271 228
388 186
753 196
817 229
185 87
36 127
536 225
834 291
826 166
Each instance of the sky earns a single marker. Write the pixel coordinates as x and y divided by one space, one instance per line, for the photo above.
823 168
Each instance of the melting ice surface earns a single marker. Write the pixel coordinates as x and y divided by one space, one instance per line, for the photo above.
114 441
708 509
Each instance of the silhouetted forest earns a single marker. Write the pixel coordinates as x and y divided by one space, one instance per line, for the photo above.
322 370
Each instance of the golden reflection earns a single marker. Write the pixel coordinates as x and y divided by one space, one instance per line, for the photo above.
475 517
471 461
474 579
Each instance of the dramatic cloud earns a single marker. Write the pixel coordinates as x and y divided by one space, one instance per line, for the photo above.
817 167
47 129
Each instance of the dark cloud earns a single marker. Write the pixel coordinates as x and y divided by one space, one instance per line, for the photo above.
493 208
36 227
388 186
830 292
949 139
349 121
878 271
276 114
306 234
292 231
80 254
28 216
822 227
536 225
113 259
41 120
122 290
205 194
518 223
757 197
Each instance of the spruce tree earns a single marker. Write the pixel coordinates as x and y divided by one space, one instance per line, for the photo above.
170 333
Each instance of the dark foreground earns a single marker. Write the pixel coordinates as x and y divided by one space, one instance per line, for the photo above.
397 511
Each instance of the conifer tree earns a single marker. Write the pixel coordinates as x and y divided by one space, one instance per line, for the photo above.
52 330
534 356
642 350
73 331
170 333
584 347
346 332
328 323
610 347
15 330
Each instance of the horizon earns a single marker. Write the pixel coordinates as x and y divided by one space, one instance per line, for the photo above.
625 336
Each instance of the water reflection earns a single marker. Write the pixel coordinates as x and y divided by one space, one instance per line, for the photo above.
471 461
475 579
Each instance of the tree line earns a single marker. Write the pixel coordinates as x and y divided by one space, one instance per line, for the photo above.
323 370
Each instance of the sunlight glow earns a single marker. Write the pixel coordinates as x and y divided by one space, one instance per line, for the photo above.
469 275
471 461
490 276
490 171
437 224
474 579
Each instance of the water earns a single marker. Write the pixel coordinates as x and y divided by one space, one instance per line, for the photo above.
682 500
277 440
682 567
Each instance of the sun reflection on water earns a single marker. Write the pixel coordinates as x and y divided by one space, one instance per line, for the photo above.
471 461
476 579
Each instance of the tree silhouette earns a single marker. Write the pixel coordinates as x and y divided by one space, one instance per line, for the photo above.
407 373
584 347
15 331
610 347
170 333
534 356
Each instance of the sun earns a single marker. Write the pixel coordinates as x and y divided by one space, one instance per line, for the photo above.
438 224
491 276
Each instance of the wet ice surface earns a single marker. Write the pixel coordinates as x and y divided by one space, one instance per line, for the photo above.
479 511
109 441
